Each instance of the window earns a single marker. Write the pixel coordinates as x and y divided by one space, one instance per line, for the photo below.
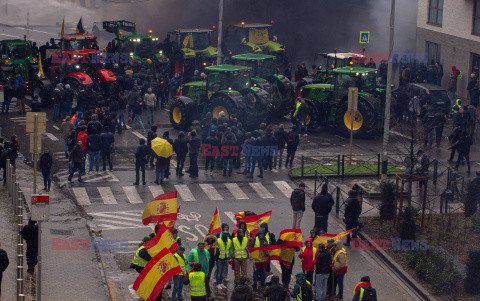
475 63
476 18
433 52
435 12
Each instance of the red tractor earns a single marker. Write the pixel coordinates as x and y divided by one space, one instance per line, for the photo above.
75 61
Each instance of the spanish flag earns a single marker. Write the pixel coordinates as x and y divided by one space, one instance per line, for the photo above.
254 221
162 208
162 240
263 255
155 275
322 239
169 224
215 225
292 237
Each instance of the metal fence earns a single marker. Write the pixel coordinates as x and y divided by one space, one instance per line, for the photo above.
16 197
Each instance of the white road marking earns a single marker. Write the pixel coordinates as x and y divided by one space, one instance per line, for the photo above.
18 118
117 215
30 29
51 136
231 216
236 191
95 178
156 190
140 136
56 127
284 187
261 190
101 220
185 193
132 195
107 195
400 134
81 195
211 192
276 265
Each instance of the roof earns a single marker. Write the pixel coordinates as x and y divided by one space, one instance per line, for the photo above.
15 42
193 30
138 36
353 70
345 55
426 86
252 57
254 25
78 36
227 68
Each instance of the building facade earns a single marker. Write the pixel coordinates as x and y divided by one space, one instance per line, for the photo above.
449 32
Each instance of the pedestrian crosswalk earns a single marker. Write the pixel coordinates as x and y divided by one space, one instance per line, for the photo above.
107 195
101 177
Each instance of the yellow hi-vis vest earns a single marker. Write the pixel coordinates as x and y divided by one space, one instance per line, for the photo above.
137 260
299 296
240 249
224 249
181 261
297 105
314 253
197 284
344 269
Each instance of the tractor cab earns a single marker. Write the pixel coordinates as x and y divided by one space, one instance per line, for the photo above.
263 65
365 79
16 59
227 78
76 42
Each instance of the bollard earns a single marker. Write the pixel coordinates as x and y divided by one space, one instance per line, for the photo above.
15 197
337 203
12 186
338 165
379 163
343 166
435 172
315 192
303 163
6 181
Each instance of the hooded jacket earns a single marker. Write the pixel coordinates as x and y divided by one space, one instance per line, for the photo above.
352 206
308 257
246 232
30 234
322 203
275 291
180 146
67 128
297 200
296 289
212 248
242 292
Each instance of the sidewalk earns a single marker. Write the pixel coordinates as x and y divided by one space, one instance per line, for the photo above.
66 274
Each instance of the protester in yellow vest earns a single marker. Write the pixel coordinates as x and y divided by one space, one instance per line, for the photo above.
364 291
259 274
198 290
175 236
340 265
240 255
141 257
302 287
178 279
224 247
308 254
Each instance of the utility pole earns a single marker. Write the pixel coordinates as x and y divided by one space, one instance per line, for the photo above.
220 30
386 125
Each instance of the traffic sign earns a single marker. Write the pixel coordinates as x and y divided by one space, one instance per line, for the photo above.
40 207
352 99
364 37
41 125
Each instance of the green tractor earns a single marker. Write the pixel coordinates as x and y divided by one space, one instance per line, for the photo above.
266 77
190 50
227 88
254 38
141 49
327 103
17 60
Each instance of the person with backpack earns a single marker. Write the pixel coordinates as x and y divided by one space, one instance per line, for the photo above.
275 291
364 291
322 271
302 289
293 140
242 291
322 205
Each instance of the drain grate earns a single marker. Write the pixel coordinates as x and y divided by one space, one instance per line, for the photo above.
61 232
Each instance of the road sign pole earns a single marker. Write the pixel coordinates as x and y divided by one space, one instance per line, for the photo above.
220 29
35 126
386 125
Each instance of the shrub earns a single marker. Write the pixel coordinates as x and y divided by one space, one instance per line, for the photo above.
409 227
387 194
473 276
471 198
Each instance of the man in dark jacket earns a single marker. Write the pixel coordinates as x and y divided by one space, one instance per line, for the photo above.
20 94
463 146
256 154
229 143
140 161
76 158
364 291
68 96
243 292
352 212
194 145
152 134
275 291
281 139
137 115
107 139
180 147
322 205
82 100
3 265
46 163
30 234
293 139
322 271
297 200
57 99
473 90
94 126
94 146
270 144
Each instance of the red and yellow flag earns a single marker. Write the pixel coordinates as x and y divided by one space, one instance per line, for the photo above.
155 275
322 239
254 221
215 226
292 237
162 240
262 255
169 224
162 208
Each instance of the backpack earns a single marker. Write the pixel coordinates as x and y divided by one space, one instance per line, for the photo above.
277 294
291 139
368 294
240 296
307 292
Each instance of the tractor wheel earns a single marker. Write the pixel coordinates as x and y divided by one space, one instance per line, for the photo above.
312 117
364 119
179 116
221 103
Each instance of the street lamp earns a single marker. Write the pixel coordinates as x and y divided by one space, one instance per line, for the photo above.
220 27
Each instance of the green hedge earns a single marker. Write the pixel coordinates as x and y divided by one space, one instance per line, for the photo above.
435 269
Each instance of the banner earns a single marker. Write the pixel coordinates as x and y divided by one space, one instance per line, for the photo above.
322 239
160 209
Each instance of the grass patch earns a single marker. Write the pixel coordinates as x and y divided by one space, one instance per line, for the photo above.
354 169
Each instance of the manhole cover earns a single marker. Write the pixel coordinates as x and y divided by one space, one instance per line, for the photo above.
61 232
